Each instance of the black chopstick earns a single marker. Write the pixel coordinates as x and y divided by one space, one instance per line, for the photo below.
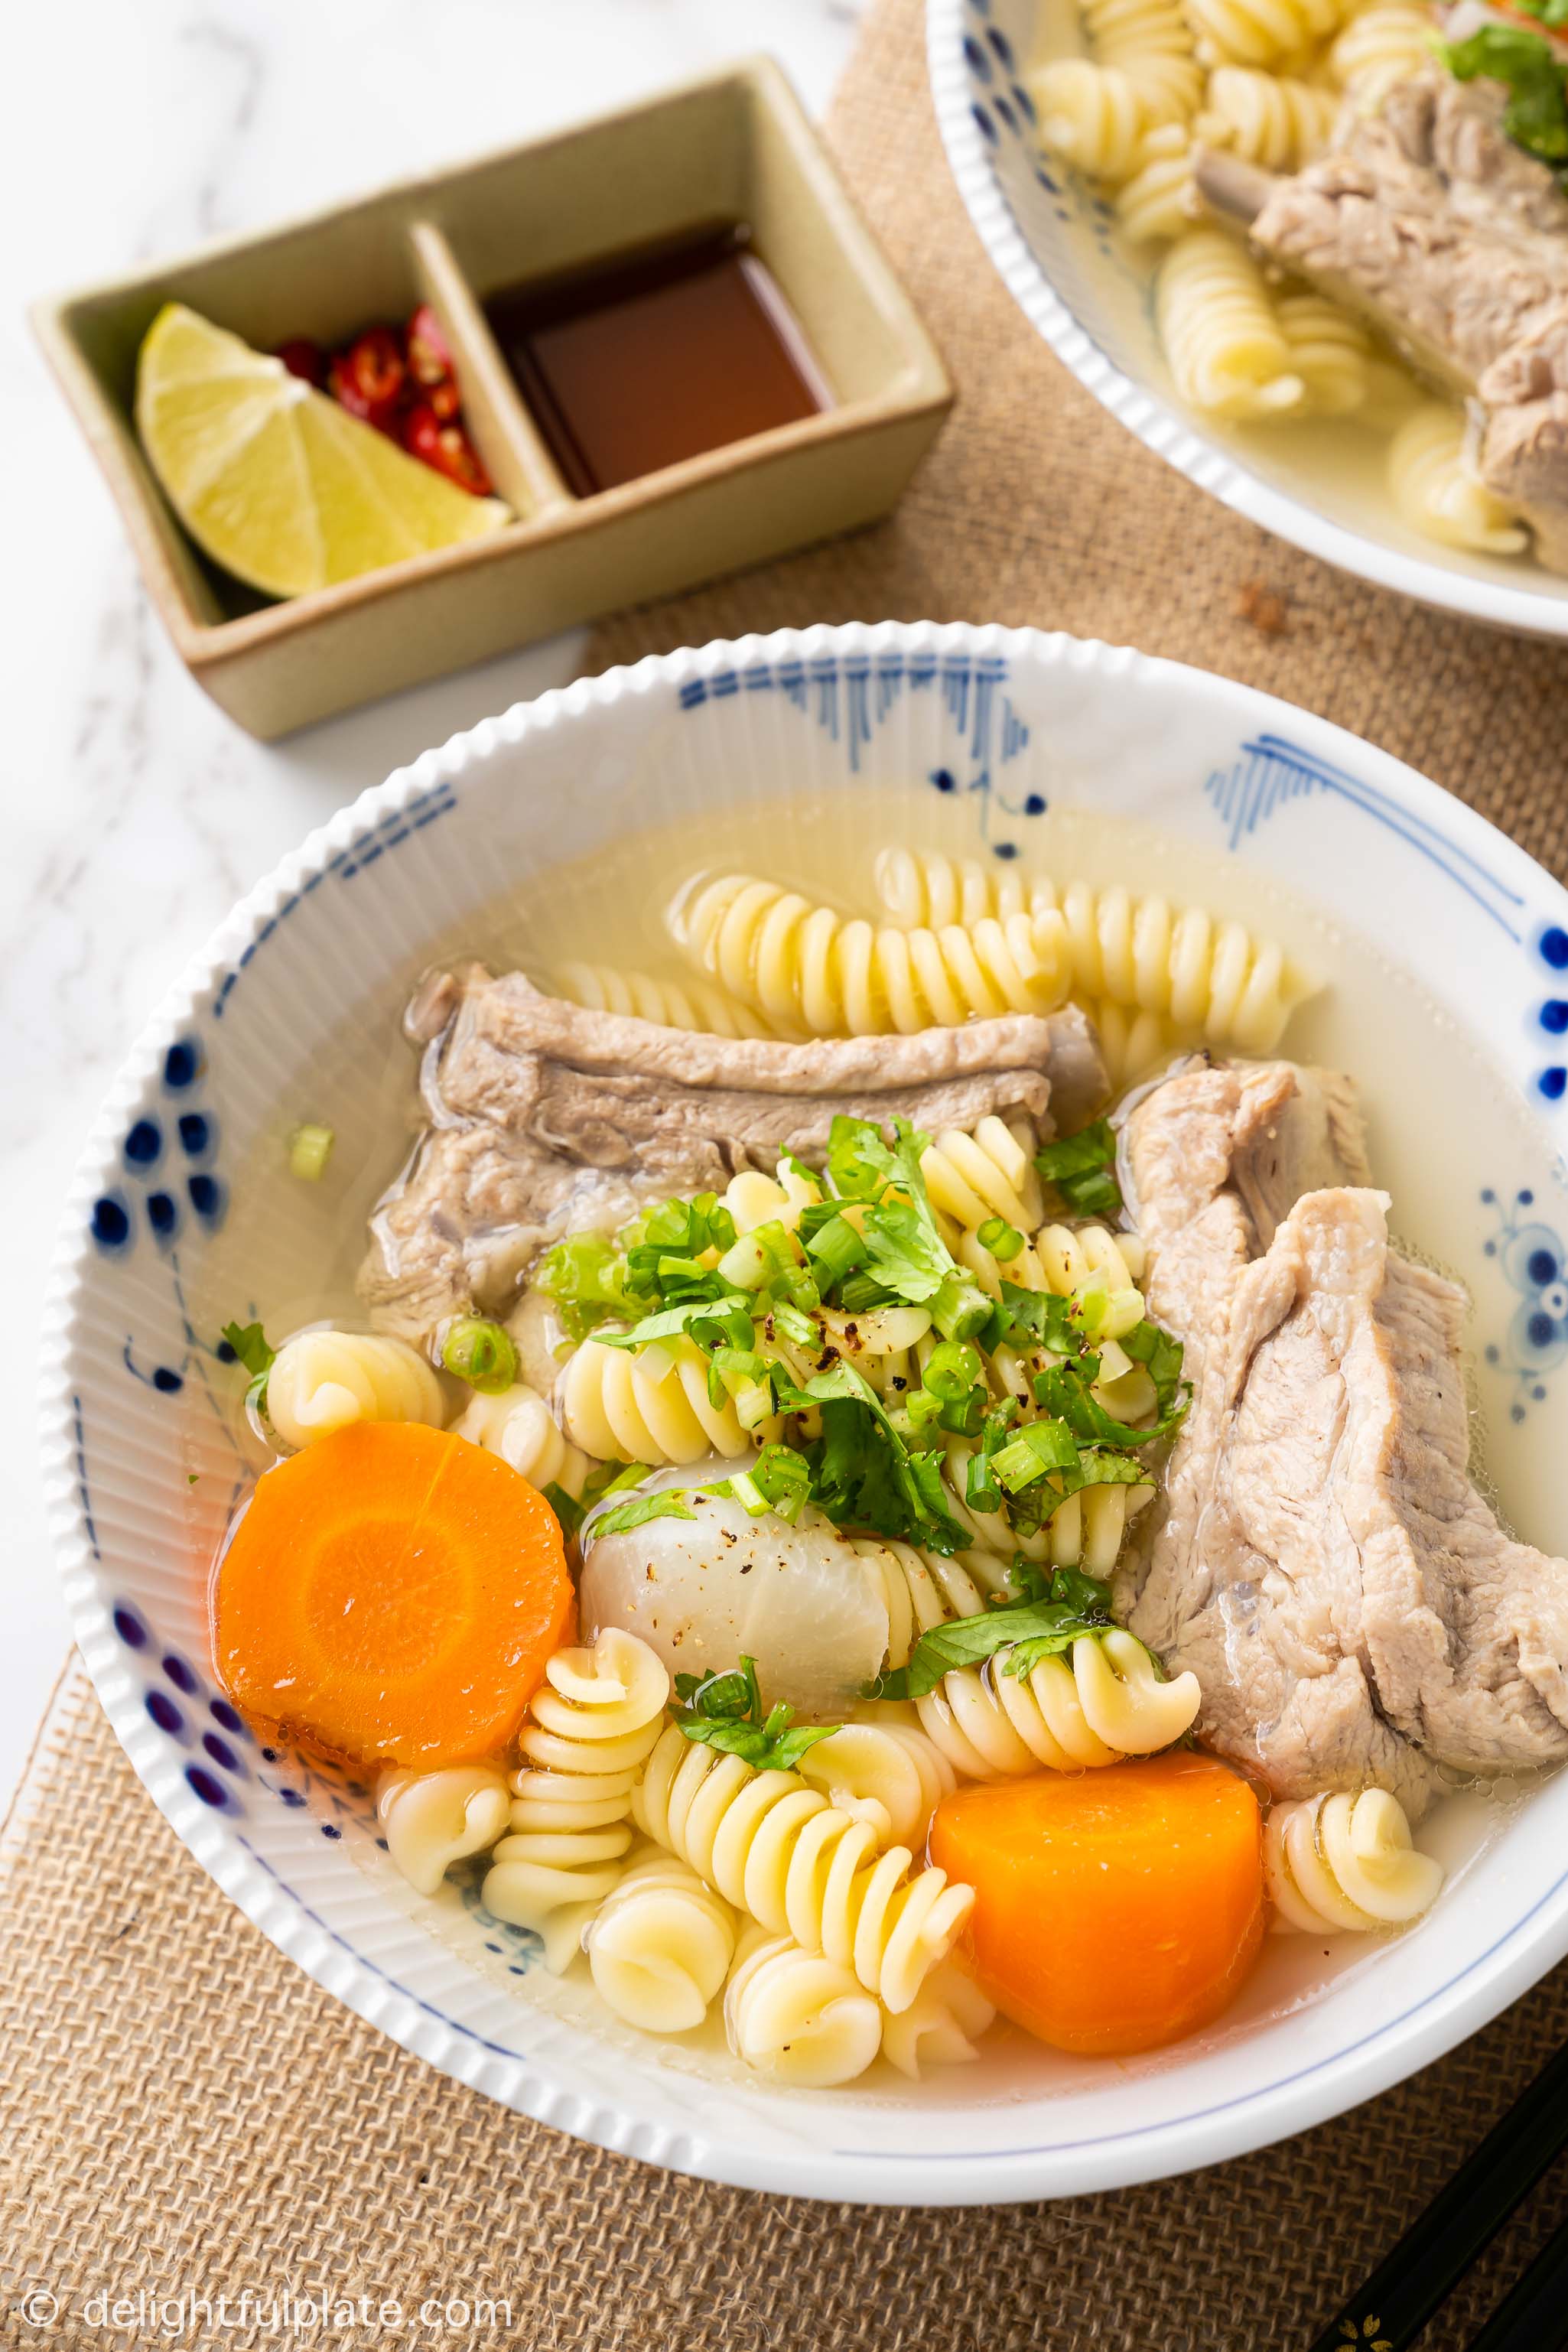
1440 2245
1534 2317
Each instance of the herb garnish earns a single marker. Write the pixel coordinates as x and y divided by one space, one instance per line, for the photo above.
725 1711
1536 117
768 1314
1046 1618
249 1346
1082 1167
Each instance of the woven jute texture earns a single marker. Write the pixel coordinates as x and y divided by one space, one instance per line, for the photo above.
183 2114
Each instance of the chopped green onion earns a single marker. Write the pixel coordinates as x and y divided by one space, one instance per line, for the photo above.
480 1352
754 1404
585 1275
794 1325
835 1248
309 1151
748 1494
758 1258
1004 1241
981 1491
1039 1448
960 1308
783 1477
862 1293
1089 1306
964 1415
952 1371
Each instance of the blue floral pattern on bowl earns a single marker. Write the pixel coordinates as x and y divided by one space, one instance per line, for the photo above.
994 721
1535 1266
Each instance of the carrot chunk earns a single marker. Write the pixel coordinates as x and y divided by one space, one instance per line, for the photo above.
1114 1910
391 1594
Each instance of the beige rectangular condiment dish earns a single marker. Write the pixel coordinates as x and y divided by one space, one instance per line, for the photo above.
733 146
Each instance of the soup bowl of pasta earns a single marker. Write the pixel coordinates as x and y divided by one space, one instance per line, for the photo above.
773 1428
1298 256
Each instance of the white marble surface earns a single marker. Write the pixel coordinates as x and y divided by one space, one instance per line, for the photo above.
134 812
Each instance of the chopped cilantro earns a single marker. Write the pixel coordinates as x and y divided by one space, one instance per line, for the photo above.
1082 1167
725 1711
669 1503
248 1343
1043 1620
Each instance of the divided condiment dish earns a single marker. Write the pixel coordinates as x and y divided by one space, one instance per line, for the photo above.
732 147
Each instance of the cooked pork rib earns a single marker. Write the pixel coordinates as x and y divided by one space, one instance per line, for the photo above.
1429 221
545 1116
1325 1565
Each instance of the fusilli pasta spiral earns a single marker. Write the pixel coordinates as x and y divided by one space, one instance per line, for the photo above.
1091 1528
1225 347
1269 119
518 1426
669 1004
431 1819
1152 43
648 1405
1213 980
941 2027
1329 350
1258 32
1160 201
322 1380
777 1850
1380 46
1438 491
815 972
1093 116
798 2017
888 1774
660 1945
989 1173
1108 1704
1341 1862
590 1727
923 1589
755 1199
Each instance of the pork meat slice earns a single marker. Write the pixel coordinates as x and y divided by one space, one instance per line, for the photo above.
544 1116
1326 1566
1428 220
1213 1158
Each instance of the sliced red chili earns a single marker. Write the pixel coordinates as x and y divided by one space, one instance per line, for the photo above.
446 447
369 378
429 354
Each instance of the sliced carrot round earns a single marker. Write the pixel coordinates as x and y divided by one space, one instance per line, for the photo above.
391 1594
1114 1910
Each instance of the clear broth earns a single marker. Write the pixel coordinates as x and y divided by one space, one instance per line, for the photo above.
1445 1130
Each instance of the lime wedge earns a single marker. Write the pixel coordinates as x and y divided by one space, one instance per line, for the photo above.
274 480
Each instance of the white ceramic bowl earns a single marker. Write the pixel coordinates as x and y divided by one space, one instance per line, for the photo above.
181 1214
1050 236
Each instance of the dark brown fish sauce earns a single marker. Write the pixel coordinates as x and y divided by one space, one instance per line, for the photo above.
657 355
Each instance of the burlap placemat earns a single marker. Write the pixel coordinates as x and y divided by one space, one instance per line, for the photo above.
183 2114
